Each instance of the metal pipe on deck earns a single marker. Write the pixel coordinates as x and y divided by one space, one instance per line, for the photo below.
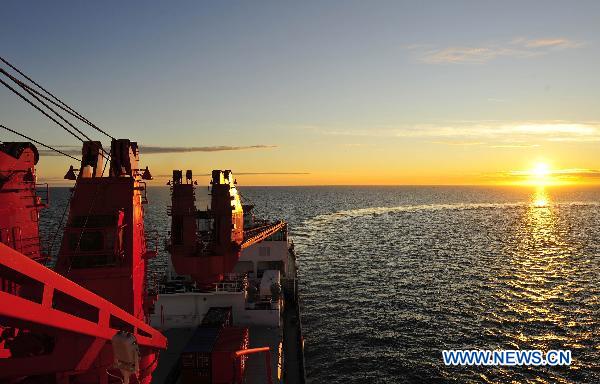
267 351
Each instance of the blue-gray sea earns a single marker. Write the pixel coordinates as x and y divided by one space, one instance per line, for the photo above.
391 276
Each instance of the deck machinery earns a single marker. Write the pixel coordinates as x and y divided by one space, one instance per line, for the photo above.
206 254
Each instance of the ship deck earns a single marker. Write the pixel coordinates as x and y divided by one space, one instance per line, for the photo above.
285 339
255 368
168 370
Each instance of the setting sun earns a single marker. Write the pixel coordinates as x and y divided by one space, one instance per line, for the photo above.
540 174
541 170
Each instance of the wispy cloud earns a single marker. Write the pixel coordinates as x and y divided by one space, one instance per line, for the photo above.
357 145
496 134
580 173
513 146
150 150
459 143
557 174
550 177
250 174
518 47
560 43
481 143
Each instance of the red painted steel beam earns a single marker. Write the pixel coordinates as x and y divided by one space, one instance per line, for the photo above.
43 314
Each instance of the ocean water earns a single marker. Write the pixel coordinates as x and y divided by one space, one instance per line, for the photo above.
391 276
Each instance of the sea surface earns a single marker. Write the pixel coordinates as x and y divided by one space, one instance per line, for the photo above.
391 276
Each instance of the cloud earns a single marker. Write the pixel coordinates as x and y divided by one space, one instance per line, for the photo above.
272 173
558 174
249 174
580 173
357 145
459 143
552 177
497 134
524 146
519 47
150 150
453 55
476 143
560 43
576 129
220 148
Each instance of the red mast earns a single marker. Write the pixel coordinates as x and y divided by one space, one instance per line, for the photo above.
104 244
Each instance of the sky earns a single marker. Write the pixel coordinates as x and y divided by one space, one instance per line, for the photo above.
320 92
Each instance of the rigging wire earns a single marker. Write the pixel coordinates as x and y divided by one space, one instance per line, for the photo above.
67 110
30 91
37 142
22 85
72 111
255 207
40 109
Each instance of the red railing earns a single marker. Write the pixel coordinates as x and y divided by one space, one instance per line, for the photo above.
42 312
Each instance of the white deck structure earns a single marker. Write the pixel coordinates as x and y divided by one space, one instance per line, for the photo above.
252 305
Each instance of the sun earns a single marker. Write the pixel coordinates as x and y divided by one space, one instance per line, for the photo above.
540 174
541 170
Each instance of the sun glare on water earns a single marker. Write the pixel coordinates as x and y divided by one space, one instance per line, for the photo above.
540 201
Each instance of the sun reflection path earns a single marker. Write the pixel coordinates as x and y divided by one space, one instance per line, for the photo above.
535 278
540 198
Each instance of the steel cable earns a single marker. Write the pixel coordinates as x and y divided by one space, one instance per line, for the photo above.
72 111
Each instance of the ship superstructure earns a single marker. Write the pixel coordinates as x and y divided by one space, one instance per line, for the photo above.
224 257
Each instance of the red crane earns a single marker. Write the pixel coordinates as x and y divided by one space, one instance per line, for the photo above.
206 254
56 325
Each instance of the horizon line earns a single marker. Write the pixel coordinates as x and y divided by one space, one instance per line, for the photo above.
381 185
